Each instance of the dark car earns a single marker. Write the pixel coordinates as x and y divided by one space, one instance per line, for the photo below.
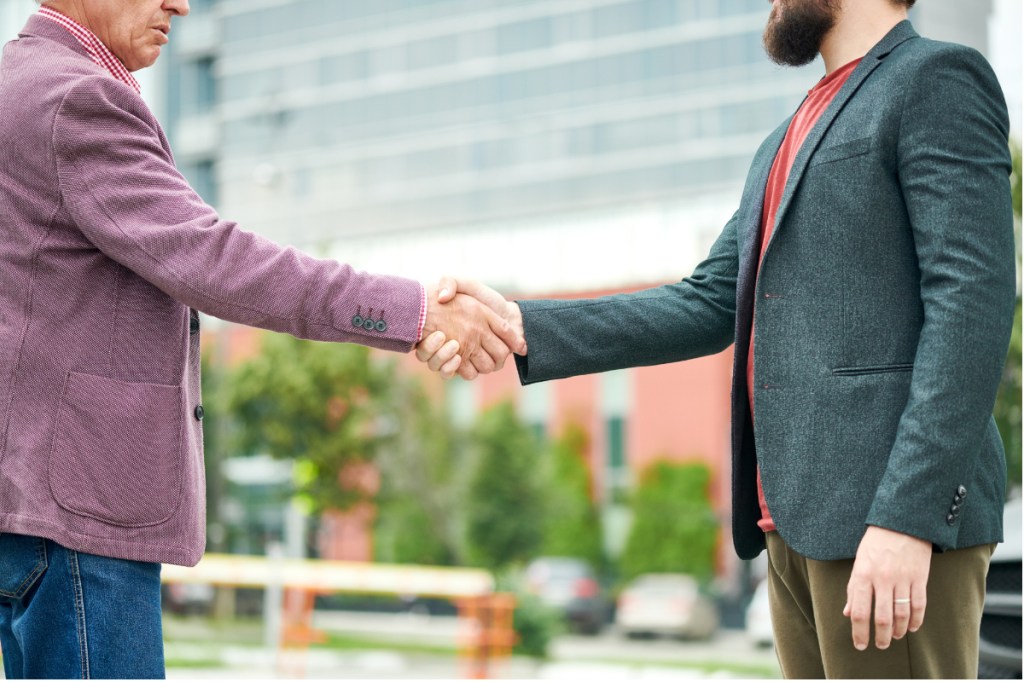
569 586
1000 647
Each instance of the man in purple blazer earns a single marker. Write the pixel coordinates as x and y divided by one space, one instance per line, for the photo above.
105 258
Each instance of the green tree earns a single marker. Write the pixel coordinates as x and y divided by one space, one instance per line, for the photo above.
674 527
572 525
421 484
328 406
504 501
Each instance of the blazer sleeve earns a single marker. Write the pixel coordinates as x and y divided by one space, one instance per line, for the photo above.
122 190
670 323
954 165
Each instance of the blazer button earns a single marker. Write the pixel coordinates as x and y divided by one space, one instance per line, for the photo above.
382 326
950 519
193 325
200 412
961 491
955 510
357 321
369 325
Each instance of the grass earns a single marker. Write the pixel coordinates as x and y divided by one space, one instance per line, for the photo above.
249 632
744 669
347 642
194 663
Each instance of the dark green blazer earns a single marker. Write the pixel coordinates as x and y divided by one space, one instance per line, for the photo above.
883 312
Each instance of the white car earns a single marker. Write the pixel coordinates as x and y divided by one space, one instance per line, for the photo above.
666 604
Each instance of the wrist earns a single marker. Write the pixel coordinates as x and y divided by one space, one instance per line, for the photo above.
433 311
515 316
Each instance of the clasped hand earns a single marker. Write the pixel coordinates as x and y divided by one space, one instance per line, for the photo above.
470 329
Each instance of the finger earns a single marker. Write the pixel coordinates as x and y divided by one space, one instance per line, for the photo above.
481 361
486 295
496 349
426 348
447 287
445 353
449 368
505 332
918 602
883 617
901 612
467 371
859 598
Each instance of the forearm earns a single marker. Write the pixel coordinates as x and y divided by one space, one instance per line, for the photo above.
650 327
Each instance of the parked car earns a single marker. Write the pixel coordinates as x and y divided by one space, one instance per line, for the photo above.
666 604
999 651
759 620
569 586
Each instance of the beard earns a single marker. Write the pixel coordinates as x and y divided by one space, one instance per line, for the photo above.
794 33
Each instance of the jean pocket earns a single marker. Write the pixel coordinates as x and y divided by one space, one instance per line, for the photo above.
117 450
22 561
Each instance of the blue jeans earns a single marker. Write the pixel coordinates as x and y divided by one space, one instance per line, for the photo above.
67 614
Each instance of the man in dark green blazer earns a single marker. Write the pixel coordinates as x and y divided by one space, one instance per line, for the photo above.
881 309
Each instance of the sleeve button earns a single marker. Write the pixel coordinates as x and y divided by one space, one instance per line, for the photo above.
382 326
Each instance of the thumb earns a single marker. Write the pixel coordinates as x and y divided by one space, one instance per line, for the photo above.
447 287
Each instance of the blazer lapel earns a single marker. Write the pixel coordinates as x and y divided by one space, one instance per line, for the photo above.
900 33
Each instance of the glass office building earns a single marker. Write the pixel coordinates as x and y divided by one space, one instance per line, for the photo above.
541 145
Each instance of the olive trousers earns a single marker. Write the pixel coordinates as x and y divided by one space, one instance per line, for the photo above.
813 639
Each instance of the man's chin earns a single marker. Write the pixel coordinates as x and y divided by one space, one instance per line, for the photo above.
143 59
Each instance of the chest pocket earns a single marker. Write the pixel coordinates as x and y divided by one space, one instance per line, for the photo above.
843 150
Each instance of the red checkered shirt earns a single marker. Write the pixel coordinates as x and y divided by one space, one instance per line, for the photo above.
99 52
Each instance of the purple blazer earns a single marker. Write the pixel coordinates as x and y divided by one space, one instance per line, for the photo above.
106 254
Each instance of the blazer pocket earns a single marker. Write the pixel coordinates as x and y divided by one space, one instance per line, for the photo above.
844 150
872 369
116 453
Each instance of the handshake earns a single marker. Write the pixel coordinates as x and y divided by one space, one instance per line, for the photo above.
470 329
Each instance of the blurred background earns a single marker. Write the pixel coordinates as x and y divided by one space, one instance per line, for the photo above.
551 148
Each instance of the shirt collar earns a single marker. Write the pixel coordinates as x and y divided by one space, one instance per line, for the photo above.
99 52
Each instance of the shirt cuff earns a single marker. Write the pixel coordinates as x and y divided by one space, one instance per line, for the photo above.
423 314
